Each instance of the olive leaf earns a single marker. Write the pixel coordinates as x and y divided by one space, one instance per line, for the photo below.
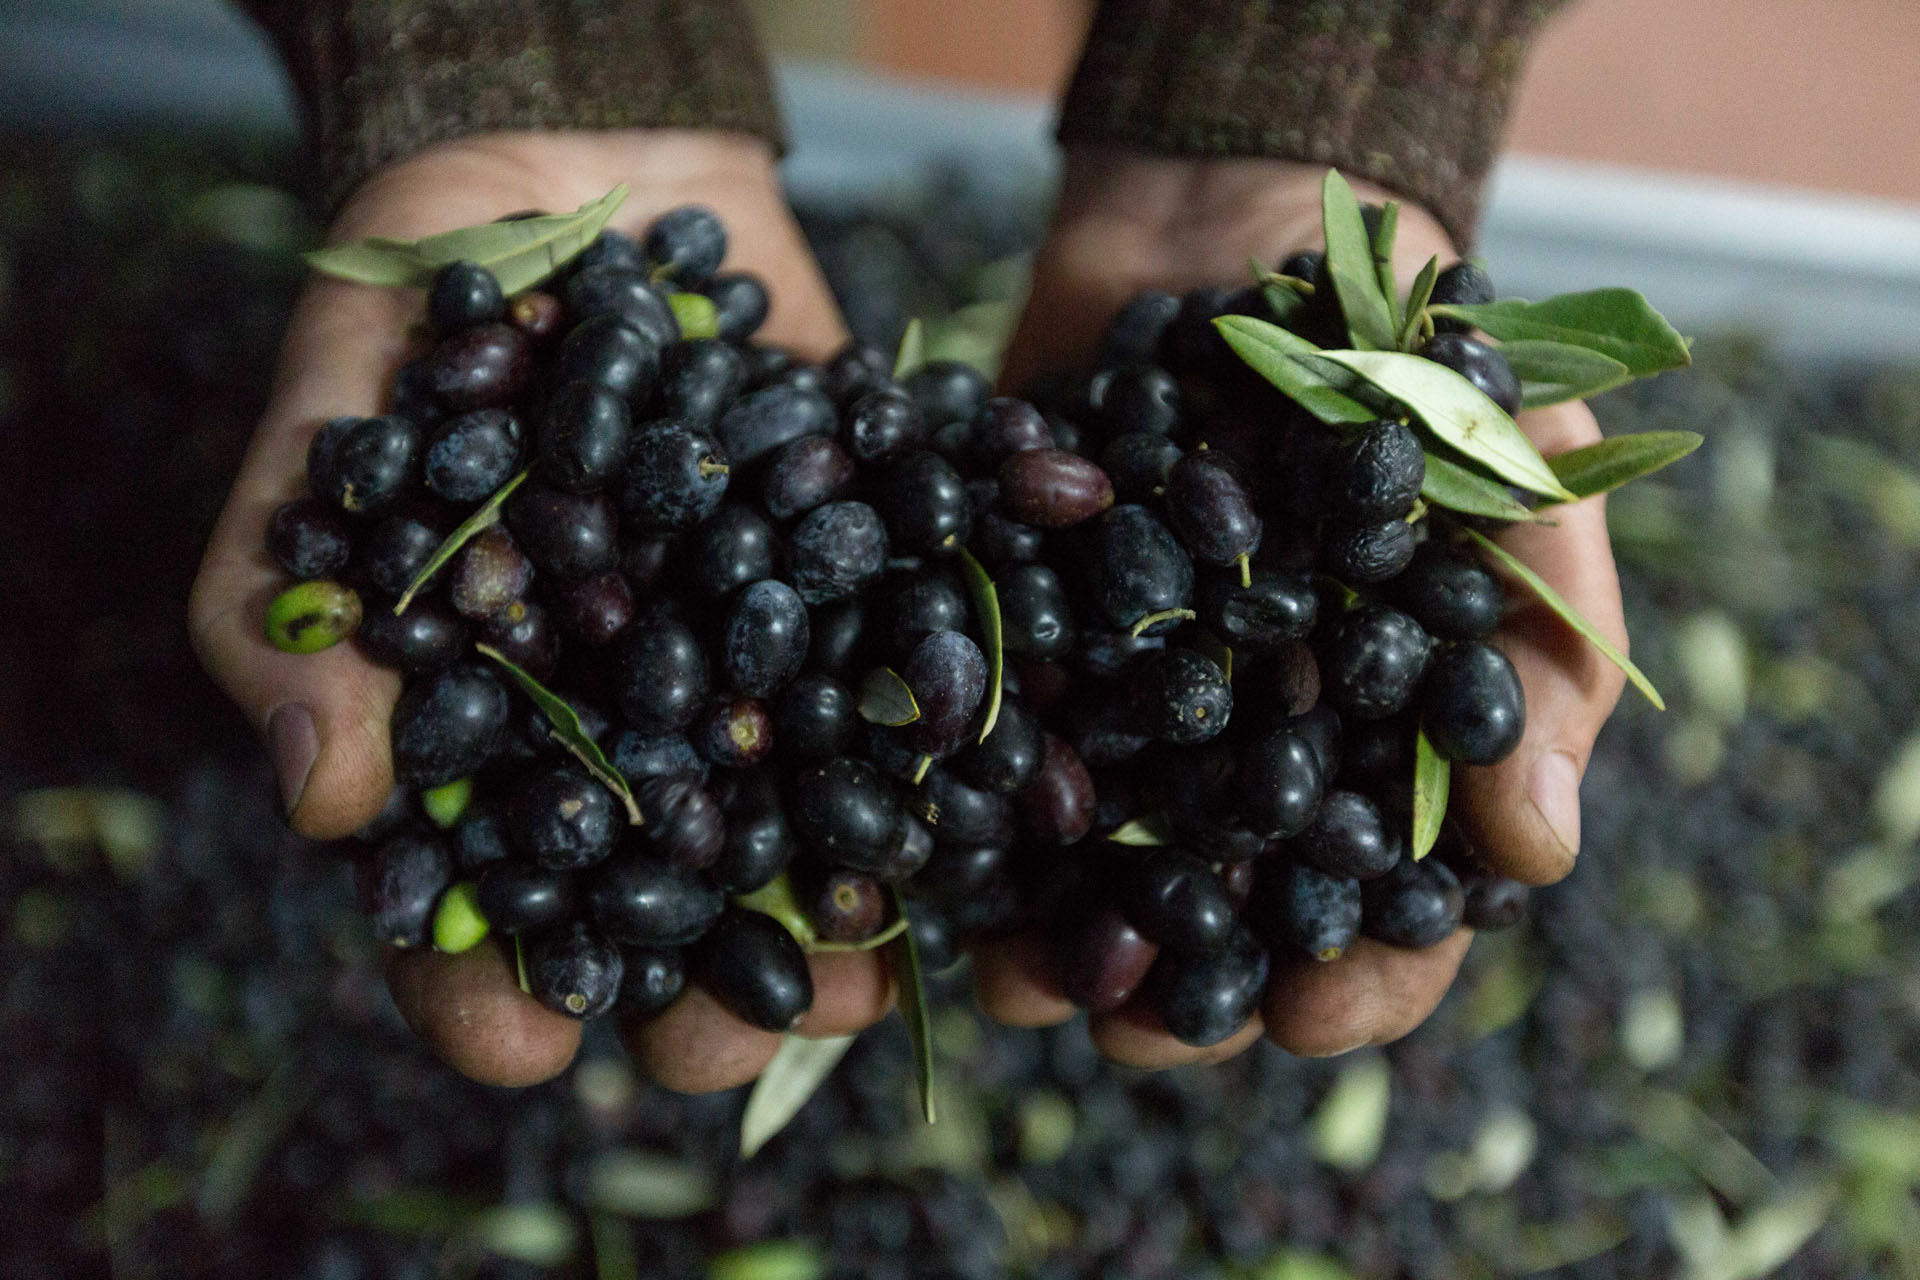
520 253
1458 412
1432 777
485 517
1553 600
1615 322
696 314
1450 485
913 349
520 965
1284 304
769 1260
1350 266
886 699
1383 238
1271 352
1417 299
986 603
1552 372
1147 831
796 1071
913 1005
1603 467
565 726
776 898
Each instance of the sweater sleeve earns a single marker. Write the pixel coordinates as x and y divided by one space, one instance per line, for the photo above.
1411 94
379 79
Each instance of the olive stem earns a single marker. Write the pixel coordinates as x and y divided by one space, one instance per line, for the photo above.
1246 569
709 468
1162 616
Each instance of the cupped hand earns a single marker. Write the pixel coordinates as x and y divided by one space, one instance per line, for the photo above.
325 715
1128 222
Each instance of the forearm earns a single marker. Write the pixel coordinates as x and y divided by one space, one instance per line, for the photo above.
1411 94
381 79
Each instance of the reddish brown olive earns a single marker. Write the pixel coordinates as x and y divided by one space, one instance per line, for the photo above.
1052 489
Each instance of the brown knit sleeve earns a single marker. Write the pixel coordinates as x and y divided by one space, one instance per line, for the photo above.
379 79
1409 93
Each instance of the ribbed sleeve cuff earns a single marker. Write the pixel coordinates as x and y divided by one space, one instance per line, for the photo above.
380 79
1411 94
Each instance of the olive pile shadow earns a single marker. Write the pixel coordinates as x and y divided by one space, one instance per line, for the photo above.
1223 624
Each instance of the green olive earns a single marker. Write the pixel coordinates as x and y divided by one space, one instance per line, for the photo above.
311 616
447 803
457 923
697 315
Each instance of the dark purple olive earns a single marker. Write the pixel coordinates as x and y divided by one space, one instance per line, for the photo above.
568 535
734 734
1210 509
1104 961
523 633
309 539
483 367
595 610
488 574
406 878
1057 806
845 906
804 474
947 674
752 965
645 902
1052 489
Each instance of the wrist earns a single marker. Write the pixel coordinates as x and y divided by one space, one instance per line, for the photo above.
481 177
1188 221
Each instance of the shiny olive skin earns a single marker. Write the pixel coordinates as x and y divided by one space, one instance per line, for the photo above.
1057 804
752 965
1104 961
517 898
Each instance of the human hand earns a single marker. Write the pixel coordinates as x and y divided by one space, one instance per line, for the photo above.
1128 222
325 715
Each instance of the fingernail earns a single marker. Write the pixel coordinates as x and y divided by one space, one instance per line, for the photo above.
294 744
1361 1043
1554 788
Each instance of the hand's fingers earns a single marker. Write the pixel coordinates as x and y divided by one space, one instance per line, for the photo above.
1372 994
470 1010
1015 982
852 990
1524 813
1134 1036
696 1046
325 714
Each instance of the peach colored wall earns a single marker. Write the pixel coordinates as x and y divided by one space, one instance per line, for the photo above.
1821 93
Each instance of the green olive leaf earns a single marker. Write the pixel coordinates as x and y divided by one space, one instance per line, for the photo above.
1450 485
913 1005
697 315
986 603
376 260
1553 372
520 965
913 349
565 726
1604 467
1458 412
793 1075
1417 299
886 699
1553 600
1272 352
484 517
1147 831
520 254
636 1183
1432 777
1614 322
1350 265
1383 238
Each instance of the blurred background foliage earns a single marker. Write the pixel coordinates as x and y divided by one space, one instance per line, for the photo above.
1700 1059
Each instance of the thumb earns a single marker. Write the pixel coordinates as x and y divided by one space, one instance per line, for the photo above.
324 715
1524 813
